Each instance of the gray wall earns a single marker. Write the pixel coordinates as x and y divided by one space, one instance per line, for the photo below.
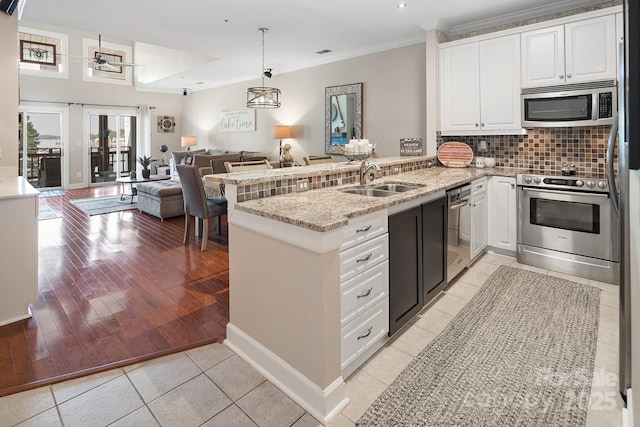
393 104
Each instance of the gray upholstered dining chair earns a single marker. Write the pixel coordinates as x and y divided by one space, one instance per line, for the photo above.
196 203
317 160
247 166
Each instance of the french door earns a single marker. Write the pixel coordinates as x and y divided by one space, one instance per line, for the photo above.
42 142
111 137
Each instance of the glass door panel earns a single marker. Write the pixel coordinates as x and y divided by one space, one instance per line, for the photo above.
112 146
40 148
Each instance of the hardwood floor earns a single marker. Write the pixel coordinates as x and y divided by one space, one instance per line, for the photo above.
114 289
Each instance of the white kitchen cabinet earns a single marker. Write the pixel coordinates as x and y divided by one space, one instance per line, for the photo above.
575 52
480 87
619 39
502 213
478 212
364 285
19 253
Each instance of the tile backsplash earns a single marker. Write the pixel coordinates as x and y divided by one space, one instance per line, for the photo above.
543 150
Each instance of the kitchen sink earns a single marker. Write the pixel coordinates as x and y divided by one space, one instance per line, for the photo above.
381 190
372 192
397 187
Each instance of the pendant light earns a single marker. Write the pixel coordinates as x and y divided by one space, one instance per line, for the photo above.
263 97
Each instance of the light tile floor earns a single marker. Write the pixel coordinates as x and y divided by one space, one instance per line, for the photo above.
211 386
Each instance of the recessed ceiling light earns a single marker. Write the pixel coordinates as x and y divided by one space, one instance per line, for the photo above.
402 5
323 51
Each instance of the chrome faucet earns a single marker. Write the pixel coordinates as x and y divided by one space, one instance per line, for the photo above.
368 172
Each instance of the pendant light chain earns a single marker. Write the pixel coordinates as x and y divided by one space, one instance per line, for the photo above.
263 30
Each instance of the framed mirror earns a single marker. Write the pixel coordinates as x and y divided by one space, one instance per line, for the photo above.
343 115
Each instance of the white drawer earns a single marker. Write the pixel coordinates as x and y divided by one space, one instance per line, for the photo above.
364 332
360 258
363 228
479 185
363 291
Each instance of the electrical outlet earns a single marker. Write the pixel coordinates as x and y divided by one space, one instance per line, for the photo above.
78 174
303 184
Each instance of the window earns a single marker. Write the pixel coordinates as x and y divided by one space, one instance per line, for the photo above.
43 53
106 72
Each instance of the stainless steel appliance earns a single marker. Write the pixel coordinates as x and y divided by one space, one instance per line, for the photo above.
459 226
568 224
628 136
581 104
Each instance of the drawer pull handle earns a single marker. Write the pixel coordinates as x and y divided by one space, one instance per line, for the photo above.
366 293
367 333
363 229
365 258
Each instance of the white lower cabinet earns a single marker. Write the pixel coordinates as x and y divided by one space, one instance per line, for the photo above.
502 212
364 292
478 216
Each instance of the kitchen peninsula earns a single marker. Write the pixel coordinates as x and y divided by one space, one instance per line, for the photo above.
313 305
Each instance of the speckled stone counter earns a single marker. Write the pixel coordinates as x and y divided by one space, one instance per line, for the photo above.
329 208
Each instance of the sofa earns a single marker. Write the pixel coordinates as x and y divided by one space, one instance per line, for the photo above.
163 199
212 161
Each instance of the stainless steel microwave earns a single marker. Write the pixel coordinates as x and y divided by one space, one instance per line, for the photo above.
581 104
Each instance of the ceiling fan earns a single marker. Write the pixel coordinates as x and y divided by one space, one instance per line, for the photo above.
103 61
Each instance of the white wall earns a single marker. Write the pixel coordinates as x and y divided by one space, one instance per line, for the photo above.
75 90
393 104
9 98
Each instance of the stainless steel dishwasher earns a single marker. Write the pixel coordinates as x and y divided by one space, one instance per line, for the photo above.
459 230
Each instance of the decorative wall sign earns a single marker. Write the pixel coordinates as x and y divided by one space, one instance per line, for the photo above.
166 123
411 146
238 121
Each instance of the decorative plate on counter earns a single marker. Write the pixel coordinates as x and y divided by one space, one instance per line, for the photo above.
455 154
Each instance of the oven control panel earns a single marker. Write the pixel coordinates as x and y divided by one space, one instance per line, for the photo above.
563 183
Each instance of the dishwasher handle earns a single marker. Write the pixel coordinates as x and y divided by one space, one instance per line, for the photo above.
460 204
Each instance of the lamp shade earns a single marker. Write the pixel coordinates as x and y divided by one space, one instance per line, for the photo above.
281 132
189 141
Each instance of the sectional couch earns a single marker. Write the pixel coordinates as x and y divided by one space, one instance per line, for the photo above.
163 199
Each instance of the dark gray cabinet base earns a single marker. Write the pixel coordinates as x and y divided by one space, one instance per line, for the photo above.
417 260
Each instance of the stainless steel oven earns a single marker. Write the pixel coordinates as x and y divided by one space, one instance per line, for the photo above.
569 225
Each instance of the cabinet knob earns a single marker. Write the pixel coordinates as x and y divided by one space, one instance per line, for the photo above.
569 76
561 77
481 124
513 186
476 125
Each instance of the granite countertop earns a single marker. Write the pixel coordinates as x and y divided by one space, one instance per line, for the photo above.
328 209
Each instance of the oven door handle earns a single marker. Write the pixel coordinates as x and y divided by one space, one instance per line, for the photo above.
576 193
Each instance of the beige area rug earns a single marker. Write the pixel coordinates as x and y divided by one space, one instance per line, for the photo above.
103 205
520 353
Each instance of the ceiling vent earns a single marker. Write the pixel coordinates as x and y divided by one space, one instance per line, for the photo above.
323 51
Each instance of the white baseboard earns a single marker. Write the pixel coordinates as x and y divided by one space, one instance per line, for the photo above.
627 413
76 186
16 319
323 405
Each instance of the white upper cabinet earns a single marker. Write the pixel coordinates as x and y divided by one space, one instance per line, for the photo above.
576 52
480 87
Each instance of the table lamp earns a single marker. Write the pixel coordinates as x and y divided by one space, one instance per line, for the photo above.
281 132
189 141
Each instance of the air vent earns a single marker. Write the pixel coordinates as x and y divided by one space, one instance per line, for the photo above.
323 51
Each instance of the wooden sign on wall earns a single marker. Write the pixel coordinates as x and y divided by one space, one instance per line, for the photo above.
238 121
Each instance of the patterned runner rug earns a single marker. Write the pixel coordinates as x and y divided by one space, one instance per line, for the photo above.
103 205
47 212
521 352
